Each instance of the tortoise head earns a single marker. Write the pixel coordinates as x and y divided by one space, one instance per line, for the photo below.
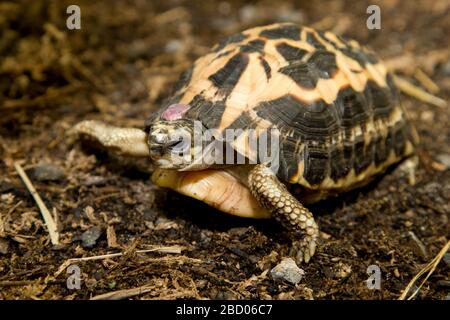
175 142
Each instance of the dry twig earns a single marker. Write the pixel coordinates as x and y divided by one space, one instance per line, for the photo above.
123 294
416 92
48 219
168 249
426 81
430 267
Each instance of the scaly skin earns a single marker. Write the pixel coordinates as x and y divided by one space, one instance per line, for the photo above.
286 209
124 141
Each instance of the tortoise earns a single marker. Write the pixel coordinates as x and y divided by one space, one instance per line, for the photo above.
332 104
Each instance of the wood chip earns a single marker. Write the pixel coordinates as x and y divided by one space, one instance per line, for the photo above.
111 237
418 245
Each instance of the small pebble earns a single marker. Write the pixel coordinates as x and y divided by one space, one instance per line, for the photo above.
5 186
94 180
410 214
205 237
89 237
48 172
443 283
287 270
150 215
444 158
173 46
238 231
248 14
447 259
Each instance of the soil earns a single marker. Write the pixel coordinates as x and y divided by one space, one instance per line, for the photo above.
119 68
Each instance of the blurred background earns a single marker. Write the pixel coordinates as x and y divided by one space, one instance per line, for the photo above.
131 51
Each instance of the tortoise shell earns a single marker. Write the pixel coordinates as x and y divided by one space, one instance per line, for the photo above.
331 99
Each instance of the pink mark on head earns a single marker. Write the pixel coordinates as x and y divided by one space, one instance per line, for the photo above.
175 111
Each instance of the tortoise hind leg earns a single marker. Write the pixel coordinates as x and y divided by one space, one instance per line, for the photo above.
285 208
408 168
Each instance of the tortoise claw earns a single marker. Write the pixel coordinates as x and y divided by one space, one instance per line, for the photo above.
304 249
286 209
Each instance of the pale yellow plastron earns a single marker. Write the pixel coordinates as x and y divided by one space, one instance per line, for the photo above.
217 188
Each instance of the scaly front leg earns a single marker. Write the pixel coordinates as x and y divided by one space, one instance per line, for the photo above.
123 141
285 208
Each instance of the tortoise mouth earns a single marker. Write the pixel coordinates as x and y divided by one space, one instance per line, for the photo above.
218 188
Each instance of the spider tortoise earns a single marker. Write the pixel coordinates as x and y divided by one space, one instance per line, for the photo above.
334 106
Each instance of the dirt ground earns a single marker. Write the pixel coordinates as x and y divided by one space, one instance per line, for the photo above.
118 68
